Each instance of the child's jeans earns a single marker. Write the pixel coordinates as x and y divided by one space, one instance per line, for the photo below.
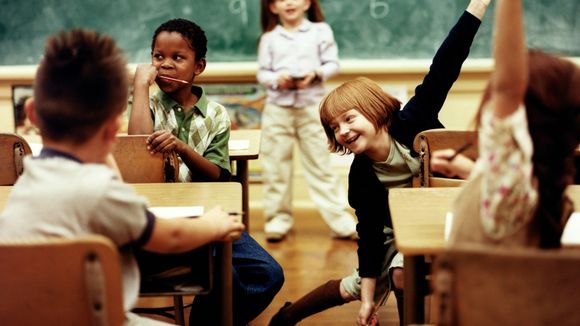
257 278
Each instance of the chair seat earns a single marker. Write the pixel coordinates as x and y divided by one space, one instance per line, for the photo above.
178 281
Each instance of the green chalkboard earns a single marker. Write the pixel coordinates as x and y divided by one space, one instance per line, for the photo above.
364 29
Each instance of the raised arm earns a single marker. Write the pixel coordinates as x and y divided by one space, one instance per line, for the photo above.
478 8
140 121
422 110
510 77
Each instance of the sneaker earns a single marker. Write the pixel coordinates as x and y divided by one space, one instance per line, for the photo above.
352 236
279 319
275 236
276 229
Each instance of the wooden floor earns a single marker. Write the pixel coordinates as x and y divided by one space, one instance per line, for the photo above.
310 257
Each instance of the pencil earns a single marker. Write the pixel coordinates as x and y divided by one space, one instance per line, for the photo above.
380 303
461 149
173 79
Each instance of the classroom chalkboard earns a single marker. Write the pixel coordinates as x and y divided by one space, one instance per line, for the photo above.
364 29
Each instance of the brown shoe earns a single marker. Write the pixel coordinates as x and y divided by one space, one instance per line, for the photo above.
279 319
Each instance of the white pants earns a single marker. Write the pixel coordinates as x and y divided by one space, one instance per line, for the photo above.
281 127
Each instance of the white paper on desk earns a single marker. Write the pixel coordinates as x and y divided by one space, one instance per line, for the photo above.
448 224
176 211
571 234
239 144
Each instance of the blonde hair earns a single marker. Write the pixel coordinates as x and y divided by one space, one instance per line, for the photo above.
363 95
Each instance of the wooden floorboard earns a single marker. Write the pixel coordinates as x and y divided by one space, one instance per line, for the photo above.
310 257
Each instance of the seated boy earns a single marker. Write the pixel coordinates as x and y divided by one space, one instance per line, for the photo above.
80 93
180 117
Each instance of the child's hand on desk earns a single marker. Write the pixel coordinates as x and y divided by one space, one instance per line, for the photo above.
225 225
460 166
145 75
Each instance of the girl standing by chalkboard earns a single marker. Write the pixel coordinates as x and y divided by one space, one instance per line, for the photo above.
297 52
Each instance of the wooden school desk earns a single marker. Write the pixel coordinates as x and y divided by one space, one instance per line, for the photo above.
249 139
418 216
241 156
228 195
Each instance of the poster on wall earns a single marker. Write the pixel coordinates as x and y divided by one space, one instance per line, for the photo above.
244 102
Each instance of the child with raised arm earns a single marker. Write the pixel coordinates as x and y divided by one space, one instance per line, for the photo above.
528 125
80 93
360 118
181 118
297 53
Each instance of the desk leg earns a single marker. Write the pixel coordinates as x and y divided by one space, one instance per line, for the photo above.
242 176
414 289
223 283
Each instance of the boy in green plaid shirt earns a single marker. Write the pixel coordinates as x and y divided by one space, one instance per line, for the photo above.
179 116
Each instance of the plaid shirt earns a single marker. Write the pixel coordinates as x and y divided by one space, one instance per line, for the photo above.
205 127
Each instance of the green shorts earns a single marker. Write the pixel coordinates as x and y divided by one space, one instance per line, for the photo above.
393 259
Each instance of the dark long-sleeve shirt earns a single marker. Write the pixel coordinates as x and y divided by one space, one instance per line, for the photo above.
366 194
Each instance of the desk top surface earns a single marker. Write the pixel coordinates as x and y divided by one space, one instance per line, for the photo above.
253 151
418 216
228 195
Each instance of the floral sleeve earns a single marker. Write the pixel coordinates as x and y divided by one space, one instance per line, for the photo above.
508 191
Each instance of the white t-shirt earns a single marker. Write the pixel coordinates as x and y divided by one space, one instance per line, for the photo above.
61 197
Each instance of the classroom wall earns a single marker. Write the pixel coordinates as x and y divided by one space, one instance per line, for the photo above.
456 114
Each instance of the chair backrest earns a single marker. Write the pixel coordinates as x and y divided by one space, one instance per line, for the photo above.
434 139
13 148
61 282
137 165
503 286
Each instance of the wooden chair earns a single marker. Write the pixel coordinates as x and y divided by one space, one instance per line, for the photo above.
13 148
61 282
501 286
137 165
198 281
434 139
425 143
